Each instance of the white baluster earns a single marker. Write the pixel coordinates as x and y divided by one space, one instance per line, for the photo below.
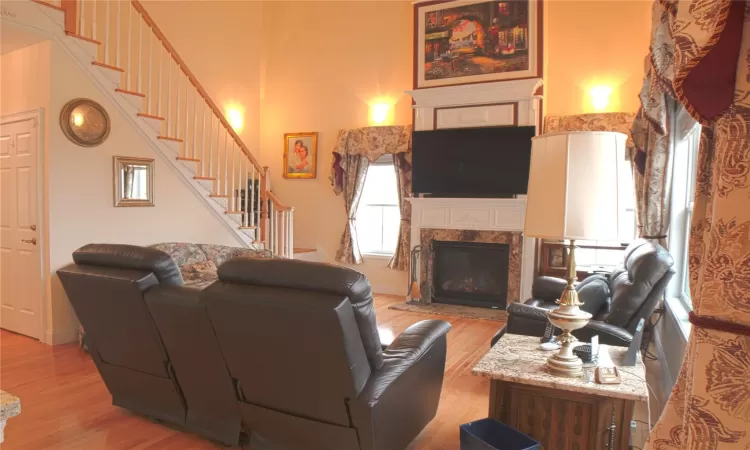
252 195
248 194
117 41
106 32
158 87
150 63
169 91
187 118
93 21
177 104
290 231
210 140
232 173
195 121
81 29
140 54
203 139
128 67
226 166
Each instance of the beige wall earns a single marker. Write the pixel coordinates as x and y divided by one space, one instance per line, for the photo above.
221 43
324 61
79 188
590 43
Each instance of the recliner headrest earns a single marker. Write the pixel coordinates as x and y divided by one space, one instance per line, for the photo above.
131 257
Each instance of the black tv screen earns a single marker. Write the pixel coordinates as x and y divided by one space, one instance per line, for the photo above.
466 162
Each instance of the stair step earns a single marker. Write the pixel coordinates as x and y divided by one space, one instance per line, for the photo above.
304 250
107 66
83 38
218 196
234 212
125 91
42 2
249 228
205 178
150 116
169 138
182 158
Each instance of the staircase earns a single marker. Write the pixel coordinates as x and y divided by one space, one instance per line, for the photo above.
128 55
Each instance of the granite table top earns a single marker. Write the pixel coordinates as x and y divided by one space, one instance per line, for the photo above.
10 406
518 359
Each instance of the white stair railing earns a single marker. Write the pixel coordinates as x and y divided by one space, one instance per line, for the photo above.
172 94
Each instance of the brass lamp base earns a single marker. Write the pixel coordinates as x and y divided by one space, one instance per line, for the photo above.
568 317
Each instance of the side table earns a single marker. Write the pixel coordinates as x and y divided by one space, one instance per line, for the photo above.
10 406
561 413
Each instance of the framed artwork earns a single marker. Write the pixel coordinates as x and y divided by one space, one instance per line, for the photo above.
300 155
475 41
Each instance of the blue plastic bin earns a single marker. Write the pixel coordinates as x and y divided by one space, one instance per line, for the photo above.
489 434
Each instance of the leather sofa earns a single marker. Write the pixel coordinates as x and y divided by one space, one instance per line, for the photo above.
287 351
617 301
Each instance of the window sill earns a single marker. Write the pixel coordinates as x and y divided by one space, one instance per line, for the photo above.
379 256
679 313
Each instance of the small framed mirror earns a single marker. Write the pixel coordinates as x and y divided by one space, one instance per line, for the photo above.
134 181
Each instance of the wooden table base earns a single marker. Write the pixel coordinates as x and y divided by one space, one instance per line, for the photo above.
562 420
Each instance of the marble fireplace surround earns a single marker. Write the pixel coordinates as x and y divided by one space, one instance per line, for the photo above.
512 238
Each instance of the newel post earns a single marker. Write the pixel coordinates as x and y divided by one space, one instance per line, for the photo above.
265 188
70 7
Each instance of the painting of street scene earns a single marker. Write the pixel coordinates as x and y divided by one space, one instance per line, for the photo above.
489 37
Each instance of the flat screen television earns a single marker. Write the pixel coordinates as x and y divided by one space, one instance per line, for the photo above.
472 162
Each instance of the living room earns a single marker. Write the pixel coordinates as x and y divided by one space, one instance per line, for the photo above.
326 74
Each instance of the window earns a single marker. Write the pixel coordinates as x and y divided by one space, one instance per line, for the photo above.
378 215
686 141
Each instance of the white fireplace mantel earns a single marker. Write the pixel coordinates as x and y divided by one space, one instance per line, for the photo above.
490 214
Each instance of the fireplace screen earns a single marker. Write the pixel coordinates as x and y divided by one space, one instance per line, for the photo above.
469 273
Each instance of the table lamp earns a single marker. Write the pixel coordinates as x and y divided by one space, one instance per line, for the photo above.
573 194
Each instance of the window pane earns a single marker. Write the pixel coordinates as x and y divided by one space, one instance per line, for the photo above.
381 187
369 228
391 222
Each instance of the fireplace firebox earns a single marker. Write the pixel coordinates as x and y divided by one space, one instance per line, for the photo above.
470 273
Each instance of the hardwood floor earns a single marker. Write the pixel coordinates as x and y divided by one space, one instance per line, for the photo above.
65 406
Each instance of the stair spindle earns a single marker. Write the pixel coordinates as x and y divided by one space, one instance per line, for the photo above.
140 54
203 139
226 165
177 104
150 63
210 139
128 66
106 33
169 92
117 37
195 123
158 87
248 194
187 117
81 27
232 176
290 233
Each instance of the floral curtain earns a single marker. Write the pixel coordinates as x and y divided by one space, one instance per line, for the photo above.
400 260
654 156
354 151
709 408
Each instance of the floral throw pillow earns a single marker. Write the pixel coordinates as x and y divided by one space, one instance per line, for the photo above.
199 273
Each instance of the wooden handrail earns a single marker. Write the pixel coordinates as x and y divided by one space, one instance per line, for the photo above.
279 206
189 74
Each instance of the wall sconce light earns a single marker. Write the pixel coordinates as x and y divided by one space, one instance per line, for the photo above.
380 113
600 96
235 117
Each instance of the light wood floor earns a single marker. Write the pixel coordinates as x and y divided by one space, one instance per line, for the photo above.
65 406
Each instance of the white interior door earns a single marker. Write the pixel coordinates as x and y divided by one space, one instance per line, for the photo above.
20 265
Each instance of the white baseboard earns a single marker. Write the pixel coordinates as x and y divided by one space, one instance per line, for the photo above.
61 336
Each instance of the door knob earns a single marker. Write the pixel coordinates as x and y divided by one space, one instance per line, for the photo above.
29 241
33 227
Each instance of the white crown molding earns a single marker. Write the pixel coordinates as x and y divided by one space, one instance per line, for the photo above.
476 94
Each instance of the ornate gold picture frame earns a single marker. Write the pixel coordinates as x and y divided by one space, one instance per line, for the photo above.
300 155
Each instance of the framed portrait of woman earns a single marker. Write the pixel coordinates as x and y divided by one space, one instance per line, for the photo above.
300 155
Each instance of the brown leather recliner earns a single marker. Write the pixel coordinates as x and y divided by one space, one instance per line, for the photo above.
301 342
106 286
151 339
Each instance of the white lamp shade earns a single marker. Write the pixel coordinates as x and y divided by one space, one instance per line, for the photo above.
574 186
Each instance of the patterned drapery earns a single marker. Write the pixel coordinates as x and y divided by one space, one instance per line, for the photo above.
354 151
620 122
654 153
709 408
400 260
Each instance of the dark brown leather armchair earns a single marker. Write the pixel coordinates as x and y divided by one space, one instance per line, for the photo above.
106 286
301 342
617 301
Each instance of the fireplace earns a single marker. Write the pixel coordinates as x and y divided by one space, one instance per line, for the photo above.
470 273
